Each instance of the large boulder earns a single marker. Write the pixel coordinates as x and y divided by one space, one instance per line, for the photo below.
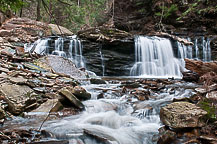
60 66
59 30
18 97
23 30
71 98
81 93
200 67
179 115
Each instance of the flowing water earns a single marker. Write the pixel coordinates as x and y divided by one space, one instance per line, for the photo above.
71 50
201 49
118 117
154 58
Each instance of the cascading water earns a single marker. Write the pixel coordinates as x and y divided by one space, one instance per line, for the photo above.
75 52
114 119
40 46
69 47
200 51
102 61
154 58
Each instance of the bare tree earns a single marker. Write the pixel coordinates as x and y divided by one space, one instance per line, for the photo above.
38 17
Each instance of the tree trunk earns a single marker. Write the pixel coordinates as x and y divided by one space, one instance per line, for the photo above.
50 11
38 18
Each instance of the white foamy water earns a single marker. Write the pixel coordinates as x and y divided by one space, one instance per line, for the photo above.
114 119
155 59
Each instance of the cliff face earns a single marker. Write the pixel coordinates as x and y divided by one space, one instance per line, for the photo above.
184 16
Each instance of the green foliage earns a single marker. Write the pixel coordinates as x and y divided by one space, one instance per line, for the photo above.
192 8
12 5
74 15
210 109
167 11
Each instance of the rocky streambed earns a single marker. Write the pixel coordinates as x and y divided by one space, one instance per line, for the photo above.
46 99
46 103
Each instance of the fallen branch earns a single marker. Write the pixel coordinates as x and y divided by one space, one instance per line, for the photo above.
181 40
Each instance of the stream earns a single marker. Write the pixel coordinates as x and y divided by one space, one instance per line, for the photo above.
117 117
126 109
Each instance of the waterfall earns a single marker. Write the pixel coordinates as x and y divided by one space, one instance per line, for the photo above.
40 46
200 51
75 52
102 61
154 58
69 47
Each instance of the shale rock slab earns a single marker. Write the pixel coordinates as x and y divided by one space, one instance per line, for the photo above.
179 115
16 96
74 101
60 65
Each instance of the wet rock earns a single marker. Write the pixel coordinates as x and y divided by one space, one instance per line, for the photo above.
99 137
206 89
200 67
97 81
80 93
179 115
141 94
66 80
208 139
185 99
100 96
51 105
209 78
60 65
51 75
190 76
131 85
16 96
52 142
166 136
2 113
73 100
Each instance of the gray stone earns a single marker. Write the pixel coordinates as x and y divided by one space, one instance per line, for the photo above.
59 30
51 105
18 80
2 113
182 115
60 66
97 81
81 93
66 93
16 96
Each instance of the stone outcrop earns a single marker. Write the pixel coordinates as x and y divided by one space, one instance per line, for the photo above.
59 30
200 67
18 97
80 93
104 34
60 65
179 115
23 30
72 98
26 30
24 86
